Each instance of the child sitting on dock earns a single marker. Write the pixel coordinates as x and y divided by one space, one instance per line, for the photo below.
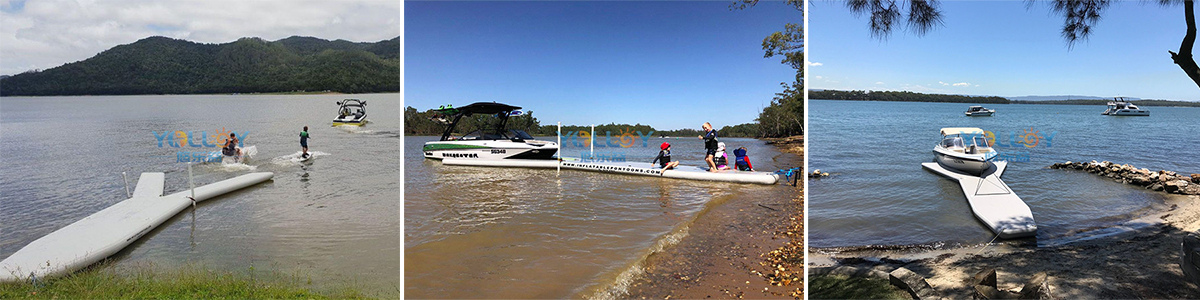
742 161
721 159
664 158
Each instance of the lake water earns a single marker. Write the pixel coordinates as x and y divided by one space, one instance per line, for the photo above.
880 195
477 232
335 218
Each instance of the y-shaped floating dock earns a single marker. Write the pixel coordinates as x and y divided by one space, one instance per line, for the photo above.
102 234
992 201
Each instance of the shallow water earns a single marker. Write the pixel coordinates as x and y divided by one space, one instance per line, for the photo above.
335 218
880 195
474 232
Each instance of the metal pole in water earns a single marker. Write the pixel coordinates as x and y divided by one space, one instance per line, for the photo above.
592 143
558 168
126 178
192 185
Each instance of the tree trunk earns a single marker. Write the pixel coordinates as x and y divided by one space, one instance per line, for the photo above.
1184 57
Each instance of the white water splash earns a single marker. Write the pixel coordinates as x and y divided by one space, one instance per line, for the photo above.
294 158
354 129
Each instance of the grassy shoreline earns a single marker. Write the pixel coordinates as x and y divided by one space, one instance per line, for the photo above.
103 281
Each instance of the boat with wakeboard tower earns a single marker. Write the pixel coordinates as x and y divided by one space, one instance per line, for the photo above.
352 112
490 142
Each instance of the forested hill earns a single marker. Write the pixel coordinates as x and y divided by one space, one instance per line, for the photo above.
160 65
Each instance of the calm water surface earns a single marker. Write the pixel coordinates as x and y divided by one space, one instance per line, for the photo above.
475 232
335 218
880 195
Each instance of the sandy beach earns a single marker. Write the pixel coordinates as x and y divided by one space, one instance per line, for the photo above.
740 249
1140 262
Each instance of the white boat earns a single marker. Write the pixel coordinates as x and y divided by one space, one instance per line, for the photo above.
494 143
965 149
1120 107
351 112
979 111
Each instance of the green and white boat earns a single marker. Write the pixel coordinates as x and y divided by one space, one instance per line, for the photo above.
490 142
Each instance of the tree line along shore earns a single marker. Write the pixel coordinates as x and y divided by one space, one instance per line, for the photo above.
904 96
161 65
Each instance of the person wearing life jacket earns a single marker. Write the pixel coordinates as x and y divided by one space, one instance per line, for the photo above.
304 142
720 158
742 161
231 148
664 158
710 145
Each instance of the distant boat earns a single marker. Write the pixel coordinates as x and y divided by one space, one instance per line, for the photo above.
979 111
1120 107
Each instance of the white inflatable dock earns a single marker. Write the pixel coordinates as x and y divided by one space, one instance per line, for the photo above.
631 168
992 201
106 232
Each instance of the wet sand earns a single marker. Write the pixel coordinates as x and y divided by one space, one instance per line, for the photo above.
741 249
1141 262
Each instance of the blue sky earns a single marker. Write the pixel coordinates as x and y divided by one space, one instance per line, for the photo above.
667 64
1003 48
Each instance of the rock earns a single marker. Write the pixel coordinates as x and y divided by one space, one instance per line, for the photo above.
913 283
1175 186
1140 180
1157 186
1195 178
987 292
1037 287
1163 177
987 277
1192 189
1189 259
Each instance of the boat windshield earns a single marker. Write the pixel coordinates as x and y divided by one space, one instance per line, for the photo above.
520 134
981 142
952 141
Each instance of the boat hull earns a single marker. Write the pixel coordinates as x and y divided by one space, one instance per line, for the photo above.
489 150
1129 112
970 165
979 114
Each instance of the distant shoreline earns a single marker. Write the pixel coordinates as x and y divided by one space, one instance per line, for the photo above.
209 94
1157 103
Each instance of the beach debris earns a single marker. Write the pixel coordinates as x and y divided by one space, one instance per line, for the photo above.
914 284
1037 287
986 277
1162 180
1189 260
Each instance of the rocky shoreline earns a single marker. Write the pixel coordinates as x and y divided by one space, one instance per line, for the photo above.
1141 263
1162 180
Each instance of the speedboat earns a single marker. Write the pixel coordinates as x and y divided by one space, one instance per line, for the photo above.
964 149
1120 107
352 112
489 142
979 111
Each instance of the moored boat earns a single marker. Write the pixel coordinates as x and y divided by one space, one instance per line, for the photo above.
964 149
488 143
979 111
1120 107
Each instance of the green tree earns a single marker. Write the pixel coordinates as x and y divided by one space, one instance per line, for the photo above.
1078 18
785 115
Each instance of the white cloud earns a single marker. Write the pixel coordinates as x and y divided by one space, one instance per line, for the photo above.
879 82
943 83
962 84
819 77
815 64
43 34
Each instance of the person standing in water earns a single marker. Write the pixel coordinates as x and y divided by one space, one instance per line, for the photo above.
304 142
710 146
